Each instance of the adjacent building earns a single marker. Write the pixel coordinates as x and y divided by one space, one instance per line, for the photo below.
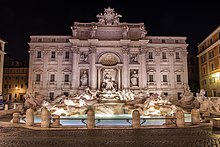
108 49
15 80
2 53
209 63
193 73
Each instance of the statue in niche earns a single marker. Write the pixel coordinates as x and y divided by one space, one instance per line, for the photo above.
83 57
84 79
108 83
93 31
134 78
125 30
143 31
133 58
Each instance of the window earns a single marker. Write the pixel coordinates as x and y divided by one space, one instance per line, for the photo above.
66 78
22 85
151 78
211 41
164 56
212 67
163 41
37 77
164 78
178 78
5 86
150 55
38 54
67 55
203 58
53 40
39 40
66 94
176 41
51 95
211 54
177 55
15 95
53 54
16 78
9 86
52 78
204 70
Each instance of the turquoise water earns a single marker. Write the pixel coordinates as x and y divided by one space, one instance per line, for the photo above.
105 120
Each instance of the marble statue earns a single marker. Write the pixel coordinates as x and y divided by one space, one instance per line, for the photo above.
74 31
93 31
134 78
143 31
84 79
133 58
83 57
125 30
108 83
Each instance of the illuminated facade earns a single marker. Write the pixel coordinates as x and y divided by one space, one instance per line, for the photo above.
2 53
15 80
209 63
121 52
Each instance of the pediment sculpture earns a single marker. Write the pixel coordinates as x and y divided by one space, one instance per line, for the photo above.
109 17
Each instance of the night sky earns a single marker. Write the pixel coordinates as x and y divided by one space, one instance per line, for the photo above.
20 19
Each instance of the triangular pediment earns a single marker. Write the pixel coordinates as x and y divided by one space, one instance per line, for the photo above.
165 70
151 70
66 70
52 70
38 70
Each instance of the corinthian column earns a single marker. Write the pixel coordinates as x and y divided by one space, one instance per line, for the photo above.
75 51
126 75
93 72
143 69
31 75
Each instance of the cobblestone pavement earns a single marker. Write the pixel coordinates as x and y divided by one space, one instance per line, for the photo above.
178 137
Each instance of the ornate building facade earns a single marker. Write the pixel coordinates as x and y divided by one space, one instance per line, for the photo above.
2 53
103 51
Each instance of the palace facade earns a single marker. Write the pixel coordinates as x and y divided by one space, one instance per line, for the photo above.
107 50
